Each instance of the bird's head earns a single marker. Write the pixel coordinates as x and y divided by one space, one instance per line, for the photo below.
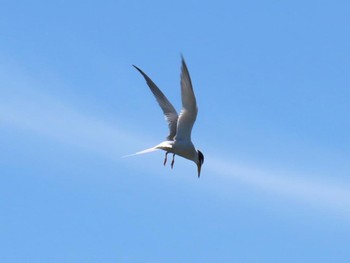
199 162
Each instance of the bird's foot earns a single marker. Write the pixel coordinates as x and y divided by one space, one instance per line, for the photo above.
166 158
173 161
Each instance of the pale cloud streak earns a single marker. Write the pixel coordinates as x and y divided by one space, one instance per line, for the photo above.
57 121
331 196
49 118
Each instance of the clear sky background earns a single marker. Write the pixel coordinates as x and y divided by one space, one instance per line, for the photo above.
273 86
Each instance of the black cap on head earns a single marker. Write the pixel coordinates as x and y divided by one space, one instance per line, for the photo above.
200 157
200 162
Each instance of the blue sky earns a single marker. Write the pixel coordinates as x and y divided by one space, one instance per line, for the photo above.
272 85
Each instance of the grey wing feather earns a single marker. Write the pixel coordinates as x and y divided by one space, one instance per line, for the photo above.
167 108
189 110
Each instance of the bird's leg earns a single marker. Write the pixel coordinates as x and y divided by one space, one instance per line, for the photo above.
172 162
166 157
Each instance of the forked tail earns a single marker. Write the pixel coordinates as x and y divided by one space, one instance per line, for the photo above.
153 149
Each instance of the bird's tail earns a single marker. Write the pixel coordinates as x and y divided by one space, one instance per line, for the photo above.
142 152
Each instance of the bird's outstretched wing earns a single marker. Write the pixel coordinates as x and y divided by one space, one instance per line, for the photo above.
168 109
189 110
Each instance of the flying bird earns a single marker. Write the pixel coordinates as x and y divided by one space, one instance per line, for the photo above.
178 142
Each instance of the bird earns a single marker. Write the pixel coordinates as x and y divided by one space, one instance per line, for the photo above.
178 142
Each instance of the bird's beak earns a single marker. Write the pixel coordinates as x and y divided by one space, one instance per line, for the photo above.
199 166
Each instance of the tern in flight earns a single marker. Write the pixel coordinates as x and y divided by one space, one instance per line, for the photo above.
178 142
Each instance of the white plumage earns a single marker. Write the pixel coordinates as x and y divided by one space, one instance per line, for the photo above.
180 126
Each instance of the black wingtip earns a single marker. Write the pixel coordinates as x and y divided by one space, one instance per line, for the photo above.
136 67
182 58
183 63
142 73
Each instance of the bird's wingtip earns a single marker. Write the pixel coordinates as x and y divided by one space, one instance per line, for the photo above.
182 57
139 70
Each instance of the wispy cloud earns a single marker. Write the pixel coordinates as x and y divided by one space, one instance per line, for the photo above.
57 121
332 196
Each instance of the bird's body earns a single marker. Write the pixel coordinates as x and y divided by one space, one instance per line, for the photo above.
178 142
182 148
